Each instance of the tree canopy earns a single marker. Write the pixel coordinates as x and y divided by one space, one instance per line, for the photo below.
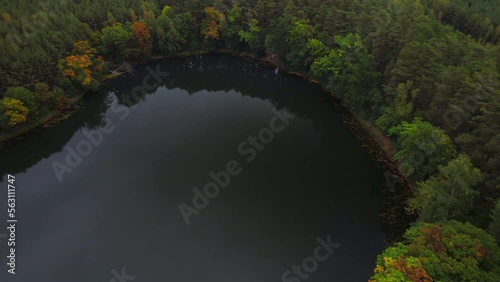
426 73
450 251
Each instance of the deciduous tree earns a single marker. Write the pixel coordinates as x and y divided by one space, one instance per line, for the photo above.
297 39
422 148
449 194
26 97
213 24
401 109
169 39
254 36
115 41
143 42
451 251
14 110
348 71
82 66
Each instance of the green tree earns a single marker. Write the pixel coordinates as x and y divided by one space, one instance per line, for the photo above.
44 96
254 37
422 70
449 194
451 251
276 39
483 142
110 19
422 147
167 11
169 39
235 24
297 39
265 10
494 228
348 71
185 24
401 109
316 48
115 41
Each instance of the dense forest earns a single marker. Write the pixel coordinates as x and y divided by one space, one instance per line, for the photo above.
426 73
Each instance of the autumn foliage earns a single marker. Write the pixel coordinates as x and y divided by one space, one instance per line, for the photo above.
15 111
452 251
81 65
213 24
142 37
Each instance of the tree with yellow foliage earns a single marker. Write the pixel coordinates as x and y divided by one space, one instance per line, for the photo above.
14 110
213 25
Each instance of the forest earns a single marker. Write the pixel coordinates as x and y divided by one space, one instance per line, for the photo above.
425 73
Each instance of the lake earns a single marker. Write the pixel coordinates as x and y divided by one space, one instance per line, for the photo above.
200 168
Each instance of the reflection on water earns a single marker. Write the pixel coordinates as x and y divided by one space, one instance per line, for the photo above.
119 206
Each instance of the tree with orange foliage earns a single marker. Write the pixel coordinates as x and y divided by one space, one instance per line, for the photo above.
6 17
82 65
143 39
451 251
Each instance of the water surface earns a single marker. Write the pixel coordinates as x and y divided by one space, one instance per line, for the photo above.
119 206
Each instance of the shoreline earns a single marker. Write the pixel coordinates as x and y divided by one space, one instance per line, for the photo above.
374 135
50 119
378 146
54 116
394 215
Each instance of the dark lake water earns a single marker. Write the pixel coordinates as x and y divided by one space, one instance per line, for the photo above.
98 195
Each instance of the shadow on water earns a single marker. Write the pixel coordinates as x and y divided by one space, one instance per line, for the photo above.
193 74
216 73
